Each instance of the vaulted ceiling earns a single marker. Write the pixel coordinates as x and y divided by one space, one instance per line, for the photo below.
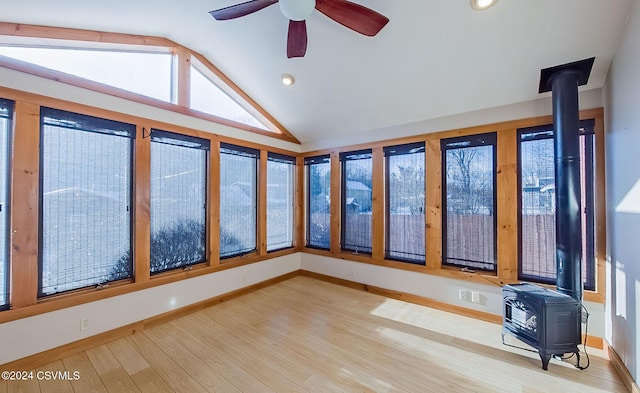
434 58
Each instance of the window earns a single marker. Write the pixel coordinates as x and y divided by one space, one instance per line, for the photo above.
207 97
6 113
318 201
405 187
140 71
280 195
148 67
356 200
238 199
85 201
178 200
469 201
536 174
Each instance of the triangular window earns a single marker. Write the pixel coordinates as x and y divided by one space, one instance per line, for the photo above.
144 72
207 97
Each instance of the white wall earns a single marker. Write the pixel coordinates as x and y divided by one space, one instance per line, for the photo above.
445 290
39 333
541 107
622 113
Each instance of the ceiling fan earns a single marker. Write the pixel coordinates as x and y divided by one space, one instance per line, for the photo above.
354 16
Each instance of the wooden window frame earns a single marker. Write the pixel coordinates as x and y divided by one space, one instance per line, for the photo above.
259 191
507 203
343 200
293 161
307 210
207 187
180 80
7 208
129 166
406 149
590 179
25 186
474 139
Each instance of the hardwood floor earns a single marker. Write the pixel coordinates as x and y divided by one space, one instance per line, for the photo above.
305 335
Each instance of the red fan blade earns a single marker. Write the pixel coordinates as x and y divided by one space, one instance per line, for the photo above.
297 39
354 16
238 10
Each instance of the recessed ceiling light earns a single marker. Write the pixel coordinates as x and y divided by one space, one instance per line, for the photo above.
481 5
288 79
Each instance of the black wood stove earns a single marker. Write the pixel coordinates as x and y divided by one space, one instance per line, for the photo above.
547 320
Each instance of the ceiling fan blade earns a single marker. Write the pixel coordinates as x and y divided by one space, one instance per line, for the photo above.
297 39
354 16
238 10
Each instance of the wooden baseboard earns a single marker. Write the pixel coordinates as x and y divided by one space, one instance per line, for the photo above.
622 370
42 358
591 341
594 342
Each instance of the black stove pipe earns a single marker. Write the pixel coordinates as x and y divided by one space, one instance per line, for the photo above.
568 218
563 81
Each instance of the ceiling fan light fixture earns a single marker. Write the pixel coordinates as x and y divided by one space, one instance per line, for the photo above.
288 79
297 9
481 5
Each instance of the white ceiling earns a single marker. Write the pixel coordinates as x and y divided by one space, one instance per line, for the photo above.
435 58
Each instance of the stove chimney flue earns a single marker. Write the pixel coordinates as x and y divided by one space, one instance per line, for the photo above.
563 82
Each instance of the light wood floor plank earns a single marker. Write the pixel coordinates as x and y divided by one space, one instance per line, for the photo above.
205 354
57 385
210 347
103 360
208 377
317 385
311 359
24 386
174 375
362 370
89 380
145 377
240 337
119 381
306 335
213 341
362 357
149 381
127 356
404 343
111 372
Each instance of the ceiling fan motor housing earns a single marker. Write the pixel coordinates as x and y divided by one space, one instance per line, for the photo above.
297 9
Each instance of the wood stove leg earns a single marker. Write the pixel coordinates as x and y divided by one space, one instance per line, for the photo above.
545 360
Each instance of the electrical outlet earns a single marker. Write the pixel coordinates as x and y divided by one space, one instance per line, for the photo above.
475 297
84 323
464 295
